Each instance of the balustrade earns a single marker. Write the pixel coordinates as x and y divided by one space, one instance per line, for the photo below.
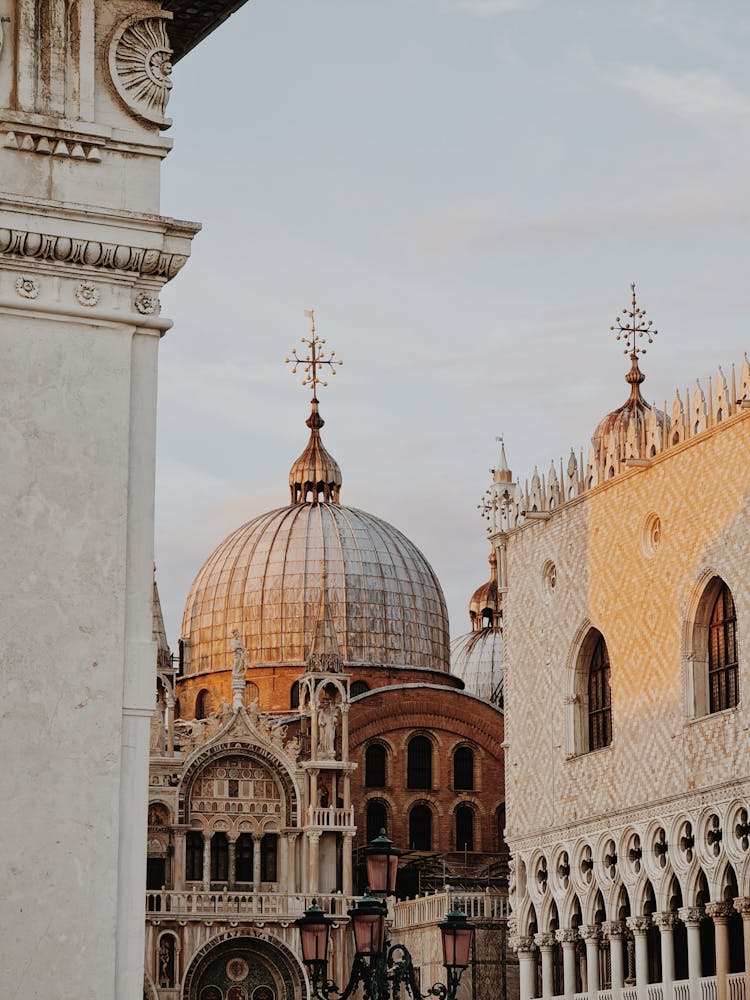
242 904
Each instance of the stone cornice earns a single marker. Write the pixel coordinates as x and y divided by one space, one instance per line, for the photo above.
20 243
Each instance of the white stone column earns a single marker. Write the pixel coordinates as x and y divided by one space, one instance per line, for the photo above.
291 873
256 862
344 732
206 862
639 926
346 864
231 851
178 861
691 917
313 840
665 922
742 905
590 935
546 944
719 913
615 931
526 967
568 938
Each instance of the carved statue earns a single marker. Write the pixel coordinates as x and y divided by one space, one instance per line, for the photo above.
225 712
327 730
239 664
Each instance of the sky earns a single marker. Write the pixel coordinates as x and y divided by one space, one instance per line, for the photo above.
463 190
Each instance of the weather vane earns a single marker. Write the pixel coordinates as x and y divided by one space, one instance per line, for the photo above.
632 325
317 359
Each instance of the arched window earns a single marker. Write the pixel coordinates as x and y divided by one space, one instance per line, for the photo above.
268 855
463 769
166 961
202 703
600 699
377 818
419 763
243 858
722 653
375 757
420 828
194 856
294 695
219 858
359 687
464 828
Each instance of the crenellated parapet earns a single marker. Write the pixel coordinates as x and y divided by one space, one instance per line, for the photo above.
618 445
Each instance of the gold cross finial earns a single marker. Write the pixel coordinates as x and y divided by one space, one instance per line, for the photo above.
632 325
316 359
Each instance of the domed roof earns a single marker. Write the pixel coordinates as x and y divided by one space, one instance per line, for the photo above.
477 658
267 579
484 605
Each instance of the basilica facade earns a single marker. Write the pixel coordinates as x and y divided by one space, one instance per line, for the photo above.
311 705
626 613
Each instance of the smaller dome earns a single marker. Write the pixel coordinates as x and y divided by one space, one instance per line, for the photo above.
477 658
484 606
316 472
635 410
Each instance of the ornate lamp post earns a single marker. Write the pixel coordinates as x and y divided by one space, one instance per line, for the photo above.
381 967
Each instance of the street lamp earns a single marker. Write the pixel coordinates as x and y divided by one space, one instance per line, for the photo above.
381 861
381 967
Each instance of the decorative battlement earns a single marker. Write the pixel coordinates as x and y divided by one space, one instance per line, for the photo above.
617 446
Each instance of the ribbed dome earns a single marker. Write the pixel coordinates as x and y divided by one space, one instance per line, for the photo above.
385 602
477 658
633 412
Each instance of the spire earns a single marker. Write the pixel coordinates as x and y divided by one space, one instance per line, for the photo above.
502 473
630 327
158 631
325 654
315 472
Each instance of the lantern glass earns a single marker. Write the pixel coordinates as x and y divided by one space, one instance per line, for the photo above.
314 929
457 933
369 932
381 861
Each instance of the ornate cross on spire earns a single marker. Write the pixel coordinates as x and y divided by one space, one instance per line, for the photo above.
631 326
317 358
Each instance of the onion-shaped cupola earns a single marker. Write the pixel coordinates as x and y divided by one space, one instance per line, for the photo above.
316 474
629 420
484 606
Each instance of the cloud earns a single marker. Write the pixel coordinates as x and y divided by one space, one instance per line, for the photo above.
718 202
689 95
488 8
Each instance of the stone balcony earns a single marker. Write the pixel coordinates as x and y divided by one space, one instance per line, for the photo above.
705 988
331 818
432 909
256 907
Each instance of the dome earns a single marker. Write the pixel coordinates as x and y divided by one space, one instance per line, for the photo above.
484 606
634 411
477 658
272 576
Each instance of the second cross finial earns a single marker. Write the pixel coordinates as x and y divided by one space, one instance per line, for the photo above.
317 358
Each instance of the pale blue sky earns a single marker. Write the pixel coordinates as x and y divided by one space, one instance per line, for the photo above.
463 189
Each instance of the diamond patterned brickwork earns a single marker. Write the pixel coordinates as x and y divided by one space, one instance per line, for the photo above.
640 602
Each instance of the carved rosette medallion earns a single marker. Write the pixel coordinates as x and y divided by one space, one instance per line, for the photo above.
27 288
140 64
87 293
146 304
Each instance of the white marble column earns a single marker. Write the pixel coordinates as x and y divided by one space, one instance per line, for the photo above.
256 862
526 967
615 931
231 850
346 864
665 922
178 861
313 876
691 918
206 862
719 913
590 934
546 944
568 938
639 926
742 906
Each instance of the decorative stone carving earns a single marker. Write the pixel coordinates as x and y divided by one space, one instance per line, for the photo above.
614 929
140 64
720 912
27 288
544 941
327 730
690 914
589 932
110 256
567 935
666 920
33 142
523 945
239 653
638 925
87 293
146 304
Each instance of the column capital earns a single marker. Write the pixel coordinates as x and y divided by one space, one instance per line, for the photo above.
638 925
523 944
590 932
567 935
742 905
720 912
614 929
665 920
690 915
544 940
